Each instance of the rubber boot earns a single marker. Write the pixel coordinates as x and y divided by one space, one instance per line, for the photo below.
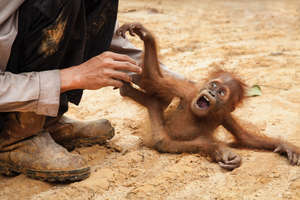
74 133
25 148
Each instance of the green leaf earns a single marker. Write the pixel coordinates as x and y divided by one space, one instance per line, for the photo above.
254 91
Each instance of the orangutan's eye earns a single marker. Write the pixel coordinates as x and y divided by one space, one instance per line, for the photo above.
222 93
213 84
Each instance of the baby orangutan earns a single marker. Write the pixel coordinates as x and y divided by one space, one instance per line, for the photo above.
202 108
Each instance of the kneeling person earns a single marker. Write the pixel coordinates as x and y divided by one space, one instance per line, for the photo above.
50 51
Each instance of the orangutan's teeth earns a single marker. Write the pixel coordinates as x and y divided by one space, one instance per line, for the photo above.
205 97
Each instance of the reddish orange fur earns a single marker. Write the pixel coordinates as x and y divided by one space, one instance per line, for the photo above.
242 86
188 128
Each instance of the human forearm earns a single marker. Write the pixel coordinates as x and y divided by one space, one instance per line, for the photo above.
30 92
69 79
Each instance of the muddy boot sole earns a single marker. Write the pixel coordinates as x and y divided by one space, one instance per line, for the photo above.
86 142
49 176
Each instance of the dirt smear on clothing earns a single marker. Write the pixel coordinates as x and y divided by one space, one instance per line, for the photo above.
260 41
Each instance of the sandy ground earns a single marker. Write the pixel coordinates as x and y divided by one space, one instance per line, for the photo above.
259 40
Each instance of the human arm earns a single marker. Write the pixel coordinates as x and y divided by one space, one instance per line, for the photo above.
39 92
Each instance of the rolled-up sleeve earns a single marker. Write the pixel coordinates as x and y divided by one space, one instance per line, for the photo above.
37 92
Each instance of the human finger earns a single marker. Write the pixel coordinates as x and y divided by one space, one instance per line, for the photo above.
113 82
126 66
119 75
119 57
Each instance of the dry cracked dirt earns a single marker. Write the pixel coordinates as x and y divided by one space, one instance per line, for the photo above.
260 41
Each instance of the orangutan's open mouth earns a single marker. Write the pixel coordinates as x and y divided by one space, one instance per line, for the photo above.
203 102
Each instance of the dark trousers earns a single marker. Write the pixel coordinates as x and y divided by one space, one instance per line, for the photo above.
56 34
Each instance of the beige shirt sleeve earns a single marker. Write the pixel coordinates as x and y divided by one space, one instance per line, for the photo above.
37 92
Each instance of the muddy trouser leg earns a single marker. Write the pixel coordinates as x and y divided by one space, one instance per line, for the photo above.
19 126
53 34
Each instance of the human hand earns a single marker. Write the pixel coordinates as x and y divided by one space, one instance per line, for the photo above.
106 69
